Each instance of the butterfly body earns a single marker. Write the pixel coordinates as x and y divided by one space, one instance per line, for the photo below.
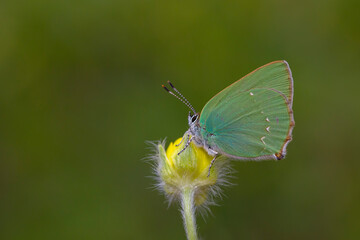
201 136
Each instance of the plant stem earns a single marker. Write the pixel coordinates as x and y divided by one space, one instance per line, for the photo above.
188 212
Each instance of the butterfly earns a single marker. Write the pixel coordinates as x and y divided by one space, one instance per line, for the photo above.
252 119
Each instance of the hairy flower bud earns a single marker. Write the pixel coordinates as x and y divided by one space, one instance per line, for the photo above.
188 170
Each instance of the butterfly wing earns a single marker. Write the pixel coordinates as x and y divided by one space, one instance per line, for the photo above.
252 118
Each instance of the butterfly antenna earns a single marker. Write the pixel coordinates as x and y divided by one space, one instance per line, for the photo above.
189 106
182 96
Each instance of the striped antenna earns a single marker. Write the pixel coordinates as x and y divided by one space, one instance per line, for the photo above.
181 98
178 92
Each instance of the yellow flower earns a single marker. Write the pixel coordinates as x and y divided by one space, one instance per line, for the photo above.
188 169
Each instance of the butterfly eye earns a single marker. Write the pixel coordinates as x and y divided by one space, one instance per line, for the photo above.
193 119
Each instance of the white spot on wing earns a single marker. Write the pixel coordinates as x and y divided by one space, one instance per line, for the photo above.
262 139
268 129
251 94
267 119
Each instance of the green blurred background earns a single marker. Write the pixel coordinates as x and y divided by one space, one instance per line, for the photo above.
80 93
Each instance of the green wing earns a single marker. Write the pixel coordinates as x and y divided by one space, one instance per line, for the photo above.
252 118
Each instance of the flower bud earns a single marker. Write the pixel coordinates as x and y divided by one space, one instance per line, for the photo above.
189 169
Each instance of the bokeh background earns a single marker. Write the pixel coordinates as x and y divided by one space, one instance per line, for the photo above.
80 93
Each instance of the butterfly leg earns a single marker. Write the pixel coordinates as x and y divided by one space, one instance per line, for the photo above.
186 145
211 164
182 139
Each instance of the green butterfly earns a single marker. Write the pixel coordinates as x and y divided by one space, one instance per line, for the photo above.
252 119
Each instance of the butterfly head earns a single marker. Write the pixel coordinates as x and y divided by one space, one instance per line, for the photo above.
193 119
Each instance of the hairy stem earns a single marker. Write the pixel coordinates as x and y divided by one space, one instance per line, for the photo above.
188 212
